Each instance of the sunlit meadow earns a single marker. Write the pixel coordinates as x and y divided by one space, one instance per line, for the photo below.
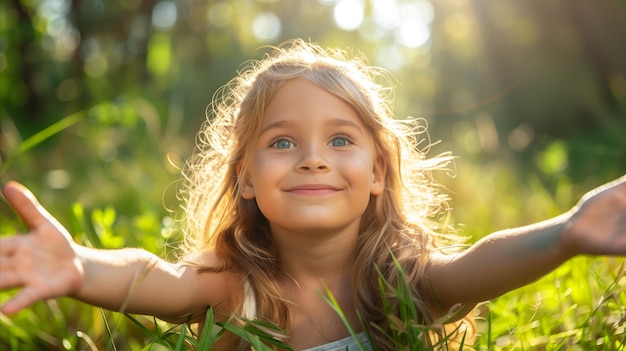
99 100
113 184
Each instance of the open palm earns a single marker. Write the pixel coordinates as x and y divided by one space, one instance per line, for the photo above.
42 262
598 223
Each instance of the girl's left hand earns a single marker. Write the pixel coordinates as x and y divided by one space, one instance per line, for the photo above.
597 225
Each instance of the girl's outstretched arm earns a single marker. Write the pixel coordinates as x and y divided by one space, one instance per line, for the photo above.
45 263
511 258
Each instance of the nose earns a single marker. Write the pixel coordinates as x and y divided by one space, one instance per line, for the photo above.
313 159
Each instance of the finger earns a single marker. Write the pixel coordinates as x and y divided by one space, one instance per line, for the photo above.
10 280
21 300
12 268
25 204
8 245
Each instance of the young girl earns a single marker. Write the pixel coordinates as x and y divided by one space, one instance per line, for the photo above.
304 180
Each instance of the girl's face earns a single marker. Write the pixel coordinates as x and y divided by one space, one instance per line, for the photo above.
314 166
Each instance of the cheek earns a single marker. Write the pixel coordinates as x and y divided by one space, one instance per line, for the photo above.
264 169
359 166
265 175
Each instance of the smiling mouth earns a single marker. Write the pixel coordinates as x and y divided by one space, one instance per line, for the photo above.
313 189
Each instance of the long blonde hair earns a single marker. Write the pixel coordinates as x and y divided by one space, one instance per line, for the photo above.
402 223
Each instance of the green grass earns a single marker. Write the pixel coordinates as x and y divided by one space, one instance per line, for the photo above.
580 306
111 182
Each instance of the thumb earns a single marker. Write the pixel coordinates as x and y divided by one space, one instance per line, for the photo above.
25 204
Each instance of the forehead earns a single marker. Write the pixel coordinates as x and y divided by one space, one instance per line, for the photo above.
300 100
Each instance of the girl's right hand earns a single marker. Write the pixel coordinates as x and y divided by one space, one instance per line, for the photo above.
43 262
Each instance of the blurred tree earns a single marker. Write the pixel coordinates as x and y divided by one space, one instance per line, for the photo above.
515 76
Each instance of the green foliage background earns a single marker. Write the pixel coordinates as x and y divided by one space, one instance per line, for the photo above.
100 102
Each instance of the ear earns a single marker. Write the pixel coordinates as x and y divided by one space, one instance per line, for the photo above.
246 188
378 176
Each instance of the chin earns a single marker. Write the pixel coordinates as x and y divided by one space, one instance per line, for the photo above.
319 227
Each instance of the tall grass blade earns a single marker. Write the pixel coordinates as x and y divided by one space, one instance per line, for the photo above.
209 336
106 325
334 304
489 331
79 214
367 331
43 135
143 328
267 332
257 333
46 133
244 335
180 346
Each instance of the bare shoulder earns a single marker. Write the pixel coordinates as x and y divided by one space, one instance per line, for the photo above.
206 259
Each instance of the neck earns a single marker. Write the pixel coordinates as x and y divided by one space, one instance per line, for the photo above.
316 255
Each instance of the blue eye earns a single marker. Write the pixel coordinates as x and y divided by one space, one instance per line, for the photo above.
282 144
340 141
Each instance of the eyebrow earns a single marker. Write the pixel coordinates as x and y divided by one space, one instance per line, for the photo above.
335 122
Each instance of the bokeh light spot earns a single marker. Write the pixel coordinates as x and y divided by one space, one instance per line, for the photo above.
415 19
553 159
266 26
413 34
349 14
420 11
385 13
164 15
521 137
58 179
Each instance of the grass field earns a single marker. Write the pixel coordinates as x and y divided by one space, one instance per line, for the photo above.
112 184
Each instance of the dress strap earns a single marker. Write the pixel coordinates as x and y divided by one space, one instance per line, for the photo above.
248 310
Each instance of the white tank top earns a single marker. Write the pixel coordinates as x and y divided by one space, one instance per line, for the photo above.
346 344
